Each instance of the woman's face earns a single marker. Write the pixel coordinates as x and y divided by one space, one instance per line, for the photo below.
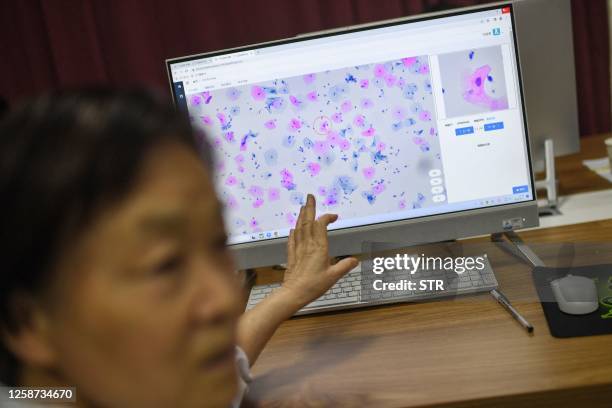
145 304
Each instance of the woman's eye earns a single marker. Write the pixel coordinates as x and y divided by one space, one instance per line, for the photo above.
169 265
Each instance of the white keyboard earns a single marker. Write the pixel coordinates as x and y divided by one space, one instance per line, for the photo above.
353 290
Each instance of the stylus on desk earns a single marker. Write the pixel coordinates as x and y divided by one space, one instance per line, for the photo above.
503 300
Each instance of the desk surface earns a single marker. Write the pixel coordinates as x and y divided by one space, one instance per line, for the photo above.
452 353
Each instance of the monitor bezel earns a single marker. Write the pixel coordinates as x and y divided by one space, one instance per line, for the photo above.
524 210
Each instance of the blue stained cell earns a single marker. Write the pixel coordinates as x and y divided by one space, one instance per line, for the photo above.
409 122
355 165
396 126
328 158
425 147
416 205
416 107
283 88
379 83
275 104
239 222
350 78
471 55
336 92
369 196
378 157
420 197
289 141
308 143
489 78
416 67
427 85
346 184
443 90
235 110
410 91
271 157
296 198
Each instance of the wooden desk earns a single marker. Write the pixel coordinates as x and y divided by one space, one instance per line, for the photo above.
464 352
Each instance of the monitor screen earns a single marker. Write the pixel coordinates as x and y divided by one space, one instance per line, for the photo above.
383 123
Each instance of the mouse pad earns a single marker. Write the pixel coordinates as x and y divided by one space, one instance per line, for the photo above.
565 325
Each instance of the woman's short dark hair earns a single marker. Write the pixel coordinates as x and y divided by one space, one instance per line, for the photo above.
63 156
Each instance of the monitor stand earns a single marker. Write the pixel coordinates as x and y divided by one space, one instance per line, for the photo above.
517 247
549 183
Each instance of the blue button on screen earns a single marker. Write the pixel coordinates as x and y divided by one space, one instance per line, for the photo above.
520 189
464 130
493 126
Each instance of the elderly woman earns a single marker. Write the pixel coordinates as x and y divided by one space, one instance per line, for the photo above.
115 275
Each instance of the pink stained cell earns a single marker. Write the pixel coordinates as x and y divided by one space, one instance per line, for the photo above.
369 132
390 80
295 101
253 223
418 140
344 145
425 116
359 121
217 142
331 200
322 191
408 62
366 103
336 117
368 173
364 83
324 126
229 136
333 137
295 124
270 124
379 71
207 120
321 147
239 159
256 191
258 202
398 113
231 181
432 131
195 100
222 118
380 146
424 69
312 96
241 169
378 188
309 78
346 106
286 174
290 219
231 203
401 205
475 92
314 169
258 93
273 194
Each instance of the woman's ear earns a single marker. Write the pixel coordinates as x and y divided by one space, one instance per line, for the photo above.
29 339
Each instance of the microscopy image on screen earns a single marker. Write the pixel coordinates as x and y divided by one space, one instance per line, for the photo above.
473 81
362 139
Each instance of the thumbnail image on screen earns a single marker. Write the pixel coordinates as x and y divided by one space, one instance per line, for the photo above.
473 81
363 139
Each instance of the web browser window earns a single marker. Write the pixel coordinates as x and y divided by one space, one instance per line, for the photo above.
382 123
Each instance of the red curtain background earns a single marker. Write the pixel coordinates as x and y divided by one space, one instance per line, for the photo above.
49 44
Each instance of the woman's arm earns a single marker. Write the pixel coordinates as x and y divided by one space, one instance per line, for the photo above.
309 275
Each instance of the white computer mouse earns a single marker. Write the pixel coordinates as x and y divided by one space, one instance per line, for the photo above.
576 295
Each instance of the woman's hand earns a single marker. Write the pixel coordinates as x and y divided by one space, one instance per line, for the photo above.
309 272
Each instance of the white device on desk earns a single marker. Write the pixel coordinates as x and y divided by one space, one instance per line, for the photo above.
412 131
576 295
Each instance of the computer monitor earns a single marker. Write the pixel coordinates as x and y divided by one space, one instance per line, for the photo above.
545 43
411 131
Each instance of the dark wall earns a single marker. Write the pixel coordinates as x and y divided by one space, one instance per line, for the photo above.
50 44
